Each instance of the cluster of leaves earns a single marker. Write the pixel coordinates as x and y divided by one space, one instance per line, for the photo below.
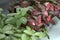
10 28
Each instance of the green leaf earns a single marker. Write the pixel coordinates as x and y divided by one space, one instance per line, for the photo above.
17 35
29 32
2 36
28 28
23 20
7 27
1 23
40 34
24 37
10 20
11 14
18 22
18 31
34 38
23 11
19 39
14 38
7 38
18 16
18 10
2 16
0 30
9 32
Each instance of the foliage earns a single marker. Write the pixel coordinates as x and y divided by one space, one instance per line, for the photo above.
10 28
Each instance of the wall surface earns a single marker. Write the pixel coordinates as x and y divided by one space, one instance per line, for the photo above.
5 5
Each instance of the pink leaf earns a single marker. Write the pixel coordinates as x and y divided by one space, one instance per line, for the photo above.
31 22
38 19
45 13
48 18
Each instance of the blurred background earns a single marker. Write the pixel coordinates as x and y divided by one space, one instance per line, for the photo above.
5 5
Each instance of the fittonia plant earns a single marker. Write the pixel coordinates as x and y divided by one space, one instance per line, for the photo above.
24 26
11 29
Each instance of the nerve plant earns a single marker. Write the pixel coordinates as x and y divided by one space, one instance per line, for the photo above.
25 25
11 28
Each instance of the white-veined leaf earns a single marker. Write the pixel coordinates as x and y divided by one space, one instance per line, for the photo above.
28 28
17 35
2 36
34 38
14 38
23 20
24 37
40 34
7 38
7 27
29 32
9 32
